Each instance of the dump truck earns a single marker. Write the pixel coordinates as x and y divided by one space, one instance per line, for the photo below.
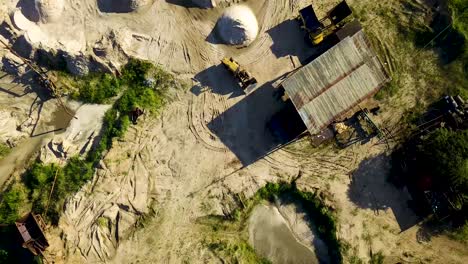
319 30
245 79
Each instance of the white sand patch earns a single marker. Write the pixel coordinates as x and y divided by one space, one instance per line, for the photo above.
79 136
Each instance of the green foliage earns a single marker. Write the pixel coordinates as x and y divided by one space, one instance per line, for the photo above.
377 258
461 234
4 150
12 201
236 252
459 10
446 154
134 73
96 88
3 256
69 180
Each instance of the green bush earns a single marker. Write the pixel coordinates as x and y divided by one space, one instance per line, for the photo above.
4 150
446 153
97 88
13 200
69 180
461 233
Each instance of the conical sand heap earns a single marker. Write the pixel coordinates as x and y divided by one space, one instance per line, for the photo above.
238 26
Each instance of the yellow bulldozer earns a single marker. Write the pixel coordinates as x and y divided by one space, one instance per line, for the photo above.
319 30
245 79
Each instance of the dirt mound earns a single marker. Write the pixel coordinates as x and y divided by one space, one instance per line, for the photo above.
49 10
238 26
121 6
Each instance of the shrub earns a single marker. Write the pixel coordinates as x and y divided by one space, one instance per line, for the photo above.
97 88
13 200
446 153
461 234
4 150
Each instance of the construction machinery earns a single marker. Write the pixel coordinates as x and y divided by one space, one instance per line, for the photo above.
319 30
246 81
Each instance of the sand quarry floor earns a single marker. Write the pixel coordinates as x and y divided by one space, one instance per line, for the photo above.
211 143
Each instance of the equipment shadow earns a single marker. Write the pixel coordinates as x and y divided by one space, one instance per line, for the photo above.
217 79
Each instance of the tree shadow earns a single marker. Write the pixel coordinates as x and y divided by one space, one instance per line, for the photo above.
219 80
370 189
244 129
449 44
28 8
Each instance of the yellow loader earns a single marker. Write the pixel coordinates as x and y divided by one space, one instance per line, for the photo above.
245 79
319 30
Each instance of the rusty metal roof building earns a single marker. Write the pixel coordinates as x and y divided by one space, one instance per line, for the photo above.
335 82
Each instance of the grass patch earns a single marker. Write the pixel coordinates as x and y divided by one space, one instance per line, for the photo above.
4 150
377 258
460 234
232 251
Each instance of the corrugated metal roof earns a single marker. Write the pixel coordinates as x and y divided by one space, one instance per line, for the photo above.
335 82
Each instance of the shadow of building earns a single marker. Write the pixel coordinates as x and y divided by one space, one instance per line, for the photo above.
245 128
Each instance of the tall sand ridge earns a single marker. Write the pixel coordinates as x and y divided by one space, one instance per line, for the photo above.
238 26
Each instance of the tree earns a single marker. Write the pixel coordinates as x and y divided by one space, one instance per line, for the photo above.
445 154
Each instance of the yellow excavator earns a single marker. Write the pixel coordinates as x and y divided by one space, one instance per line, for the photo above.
319 30
245 79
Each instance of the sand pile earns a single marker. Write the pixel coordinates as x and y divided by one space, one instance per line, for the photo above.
49 10
238 26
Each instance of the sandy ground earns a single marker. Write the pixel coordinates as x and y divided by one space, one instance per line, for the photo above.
211 144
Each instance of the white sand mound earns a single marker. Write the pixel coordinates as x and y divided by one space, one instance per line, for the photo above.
238 26
49 10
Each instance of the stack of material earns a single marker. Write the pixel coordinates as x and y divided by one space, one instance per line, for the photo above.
335 82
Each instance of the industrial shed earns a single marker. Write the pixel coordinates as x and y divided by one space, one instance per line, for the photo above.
335 82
